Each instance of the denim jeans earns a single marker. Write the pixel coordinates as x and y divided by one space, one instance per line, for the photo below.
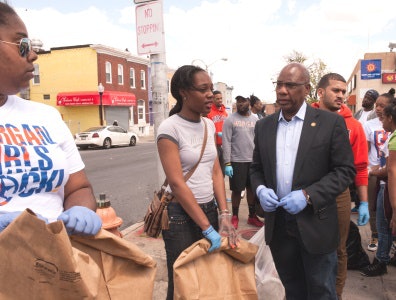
182 233
384 232
372 184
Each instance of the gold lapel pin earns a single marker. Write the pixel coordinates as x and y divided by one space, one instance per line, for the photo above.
313 124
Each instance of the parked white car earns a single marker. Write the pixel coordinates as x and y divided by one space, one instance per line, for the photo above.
105 137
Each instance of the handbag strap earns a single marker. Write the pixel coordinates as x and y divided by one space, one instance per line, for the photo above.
191 171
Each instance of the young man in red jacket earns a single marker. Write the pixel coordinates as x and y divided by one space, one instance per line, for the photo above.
218 114
331 91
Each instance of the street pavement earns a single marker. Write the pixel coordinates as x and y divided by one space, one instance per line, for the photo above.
358 287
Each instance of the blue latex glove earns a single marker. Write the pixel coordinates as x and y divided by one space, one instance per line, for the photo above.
213 236
7 218
294 202
364 214
220 134
229 171
268 199
81 220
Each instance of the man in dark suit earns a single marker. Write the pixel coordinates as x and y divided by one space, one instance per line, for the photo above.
302 161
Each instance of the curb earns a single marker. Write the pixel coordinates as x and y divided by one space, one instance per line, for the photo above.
132 228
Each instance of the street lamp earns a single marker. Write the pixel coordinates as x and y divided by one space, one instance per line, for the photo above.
207 65
100 90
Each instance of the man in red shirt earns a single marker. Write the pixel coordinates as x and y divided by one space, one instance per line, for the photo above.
218 114
331 91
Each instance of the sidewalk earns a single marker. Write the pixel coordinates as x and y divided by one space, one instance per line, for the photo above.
146 138
357 287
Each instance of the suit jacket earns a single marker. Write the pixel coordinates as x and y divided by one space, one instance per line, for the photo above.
324 168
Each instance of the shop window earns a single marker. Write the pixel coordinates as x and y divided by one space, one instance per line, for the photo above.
36 74
141 110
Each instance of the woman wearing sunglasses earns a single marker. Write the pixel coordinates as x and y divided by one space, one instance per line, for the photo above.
40 166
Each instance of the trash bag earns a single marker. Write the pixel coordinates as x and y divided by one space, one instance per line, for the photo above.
227 273
259 210
357 257
269 286
354 194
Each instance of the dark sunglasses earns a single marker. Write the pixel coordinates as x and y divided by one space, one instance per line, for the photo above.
25 46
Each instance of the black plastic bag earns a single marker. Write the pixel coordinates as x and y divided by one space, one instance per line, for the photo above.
357 257
258 209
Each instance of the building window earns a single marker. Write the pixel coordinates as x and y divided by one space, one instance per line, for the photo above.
143 79
132 116
141 110
354 82
25 93
132 78
108 72
36 74
120 75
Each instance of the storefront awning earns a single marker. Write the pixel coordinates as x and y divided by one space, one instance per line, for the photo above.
351 100
112 98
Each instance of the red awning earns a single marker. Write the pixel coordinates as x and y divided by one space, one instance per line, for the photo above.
351 100
92 98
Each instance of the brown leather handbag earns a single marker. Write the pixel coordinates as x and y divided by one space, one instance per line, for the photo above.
156 217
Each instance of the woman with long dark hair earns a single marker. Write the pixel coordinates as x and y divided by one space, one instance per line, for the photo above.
386 111
193 213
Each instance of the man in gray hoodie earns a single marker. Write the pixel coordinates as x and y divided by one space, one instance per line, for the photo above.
238 144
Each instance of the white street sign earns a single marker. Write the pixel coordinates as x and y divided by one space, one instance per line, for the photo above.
150 28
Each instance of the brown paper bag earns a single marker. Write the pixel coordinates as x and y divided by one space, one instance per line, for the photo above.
224 274
37 261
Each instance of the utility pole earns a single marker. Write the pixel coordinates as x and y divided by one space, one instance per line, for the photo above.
159 93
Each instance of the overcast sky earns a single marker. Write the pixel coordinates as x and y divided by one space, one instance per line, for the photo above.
254 35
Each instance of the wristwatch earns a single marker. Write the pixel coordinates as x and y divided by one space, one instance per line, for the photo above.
307 197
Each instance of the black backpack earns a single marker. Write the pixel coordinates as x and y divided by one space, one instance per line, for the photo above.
357 257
